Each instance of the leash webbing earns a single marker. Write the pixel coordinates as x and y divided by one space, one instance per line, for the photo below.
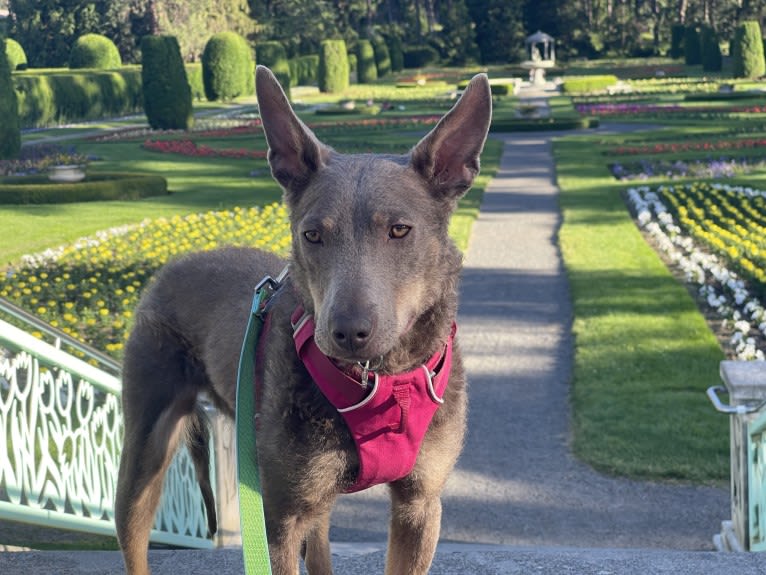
255 546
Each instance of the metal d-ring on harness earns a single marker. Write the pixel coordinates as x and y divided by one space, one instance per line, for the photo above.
254 543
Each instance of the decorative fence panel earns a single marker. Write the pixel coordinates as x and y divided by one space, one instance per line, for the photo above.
60 442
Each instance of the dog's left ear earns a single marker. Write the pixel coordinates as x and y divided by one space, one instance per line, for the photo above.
295 153
448 156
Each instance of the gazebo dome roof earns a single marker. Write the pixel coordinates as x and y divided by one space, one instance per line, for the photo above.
539 37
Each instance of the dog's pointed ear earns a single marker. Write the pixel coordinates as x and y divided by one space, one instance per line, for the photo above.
295 153
448 156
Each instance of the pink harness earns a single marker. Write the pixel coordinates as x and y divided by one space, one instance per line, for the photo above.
388 423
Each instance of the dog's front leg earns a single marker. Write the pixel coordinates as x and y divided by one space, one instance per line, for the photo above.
414 532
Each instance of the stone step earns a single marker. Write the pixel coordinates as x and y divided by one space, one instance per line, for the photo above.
451 559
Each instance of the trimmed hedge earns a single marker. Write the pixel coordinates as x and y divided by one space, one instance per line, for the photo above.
17 58
167 95
10 130
692 52
677 32
542 124
304 70
395 51
419 56
333 66
47 98
194 76
712 59
382 56
366 69
227 67
94 51
579 84
274 56
747 51
104 186
496 87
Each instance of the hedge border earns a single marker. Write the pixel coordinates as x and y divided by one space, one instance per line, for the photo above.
101 186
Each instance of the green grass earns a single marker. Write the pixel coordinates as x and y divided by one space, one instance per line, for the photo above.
644 353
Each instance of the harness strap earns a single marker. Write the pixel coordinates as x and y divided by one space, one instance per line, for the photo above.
255 546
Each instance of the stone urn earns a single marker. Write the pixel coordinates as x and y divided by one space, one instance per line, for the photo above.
66 173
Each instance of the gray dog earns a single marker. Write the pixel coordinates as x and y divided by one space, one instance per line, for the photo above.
371 300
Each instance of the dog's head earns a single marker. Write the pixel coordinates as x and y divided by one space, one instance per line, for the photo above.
371 254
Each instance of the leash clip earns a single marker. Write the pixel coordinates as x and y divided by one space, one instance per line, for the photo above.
267 287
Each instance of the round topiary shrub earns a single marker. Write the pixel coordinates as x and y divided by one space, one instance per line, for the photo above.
167 95
274 56
10 128
333 71
227 67
94 51
17 58
747 51
366 69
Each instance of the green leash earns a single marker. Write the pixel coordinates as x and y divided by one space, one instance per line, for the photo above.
255 546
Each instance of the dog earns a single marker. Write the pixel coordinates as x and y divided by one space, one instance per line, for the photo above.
373 269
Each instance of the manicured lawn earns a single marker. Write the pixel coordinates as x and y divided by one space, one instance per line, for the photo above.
644 354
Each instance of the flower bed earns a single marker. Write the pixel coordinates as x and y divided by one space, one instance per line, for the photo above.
664 110
710 168
716 234
89 289
190 148
679 147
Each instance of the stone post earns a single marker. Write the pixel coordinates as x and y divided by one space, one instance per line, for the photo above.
746 385
226 494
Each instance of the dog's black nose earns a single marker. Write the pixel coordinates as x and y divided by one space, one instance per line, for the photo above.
352 334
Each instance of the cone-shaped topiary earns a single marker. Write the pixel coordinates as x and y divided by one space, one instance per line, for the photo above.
10 128
747 51
333 66
94 51
167 95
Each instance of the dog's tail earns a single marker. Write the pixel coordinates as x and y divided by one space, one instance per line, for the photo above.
198 443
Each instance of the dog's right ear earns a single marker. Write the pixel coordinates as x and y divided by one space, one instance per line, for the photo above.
295 153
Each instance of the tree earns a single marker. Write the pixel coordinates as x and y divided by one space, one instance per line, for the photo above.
500 31
10 127
457 38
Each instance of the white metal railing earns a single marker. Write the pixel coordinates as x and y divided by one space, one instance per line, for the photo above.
60 442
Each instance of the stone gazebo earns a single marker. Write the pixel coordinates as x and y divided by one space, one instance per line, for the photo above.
542 55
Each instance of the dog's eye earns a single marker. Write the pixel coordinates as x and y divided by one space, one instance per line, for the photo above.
398 231
313 236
